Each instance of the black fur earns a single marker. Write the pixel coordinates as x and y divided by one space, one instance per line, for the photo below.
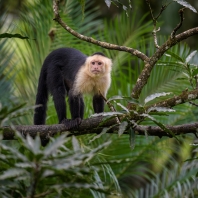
57 77
98 53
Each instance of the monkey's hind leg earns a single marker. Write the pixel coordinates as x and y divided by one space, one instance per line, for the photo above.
59 102
77 110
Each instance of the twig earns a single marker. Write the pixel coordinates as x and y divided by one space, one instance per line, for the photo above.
155 36
111 107
181 13
155 30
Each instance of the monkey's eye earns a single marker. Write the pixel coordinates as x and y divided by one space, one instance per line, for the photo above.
99 63
93 63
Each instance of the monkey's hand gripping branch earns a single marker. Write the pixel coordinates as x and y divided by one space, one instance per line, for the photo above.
71 124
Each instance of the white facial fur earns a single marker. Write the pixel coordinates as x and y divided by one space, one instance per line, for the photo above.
93 76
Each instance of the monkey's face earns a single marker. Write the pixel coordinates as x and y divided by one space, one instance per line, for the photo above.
99 65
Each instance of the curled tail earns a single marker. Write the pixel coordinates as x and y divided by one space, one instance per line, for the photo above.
41 100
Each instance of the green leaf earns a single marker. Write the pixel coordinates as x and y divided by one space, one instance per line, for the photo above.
13 172
154 96
108 3
162 126
34 144
107 114
99 135
132 138
175 56
53 146
122 127
8 35
123 107
186 4
195 72
75 143
115 98
160 109
190 56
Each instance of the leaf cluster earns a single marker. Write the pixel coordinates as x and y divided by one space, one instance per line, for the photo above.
56 170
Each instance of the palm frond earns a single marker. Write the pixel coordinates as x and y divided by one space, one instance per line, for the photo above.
179 181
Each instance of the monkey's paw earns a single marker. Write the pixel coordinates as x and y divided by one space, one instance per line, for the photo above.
71 124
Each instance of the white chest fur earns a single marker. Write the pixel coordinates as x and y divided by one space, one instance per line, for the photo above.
86 84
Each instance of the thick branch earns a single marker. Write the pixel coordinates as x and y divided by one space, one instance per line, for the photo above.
106 45
51 130
91 125
144 76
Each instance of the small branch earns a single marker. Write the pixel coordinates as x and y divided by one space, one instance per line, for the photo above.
155 30
162 9
106 45
177 130
181 13
177 100
155 37
151 12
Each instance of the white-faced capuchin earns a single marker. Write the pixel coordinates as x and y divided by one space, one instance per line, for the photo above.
68 72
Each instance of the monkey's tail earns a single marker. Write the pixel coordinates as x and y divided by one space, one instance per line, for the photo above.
41 99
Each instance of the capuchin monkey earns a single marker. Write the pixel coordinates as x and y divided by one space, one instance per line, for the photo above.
68 72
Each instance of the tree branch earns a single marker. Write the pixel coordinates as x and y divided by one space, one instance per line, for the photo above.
106 45
177 130
181 13
94 125
177 100
145 74
155 30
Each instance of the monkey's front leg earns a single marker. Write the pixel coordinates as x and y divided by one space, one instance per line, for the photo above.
76 105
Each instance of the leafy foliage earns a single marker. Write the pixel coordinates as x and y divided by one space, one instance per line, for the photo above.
84 167
67 171
179 181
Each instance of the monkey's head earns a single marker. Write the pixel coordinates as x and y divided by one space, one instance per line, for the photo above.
98 65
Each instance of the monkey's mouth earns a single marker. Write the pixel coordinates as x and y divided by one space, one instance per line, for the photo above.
95 71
